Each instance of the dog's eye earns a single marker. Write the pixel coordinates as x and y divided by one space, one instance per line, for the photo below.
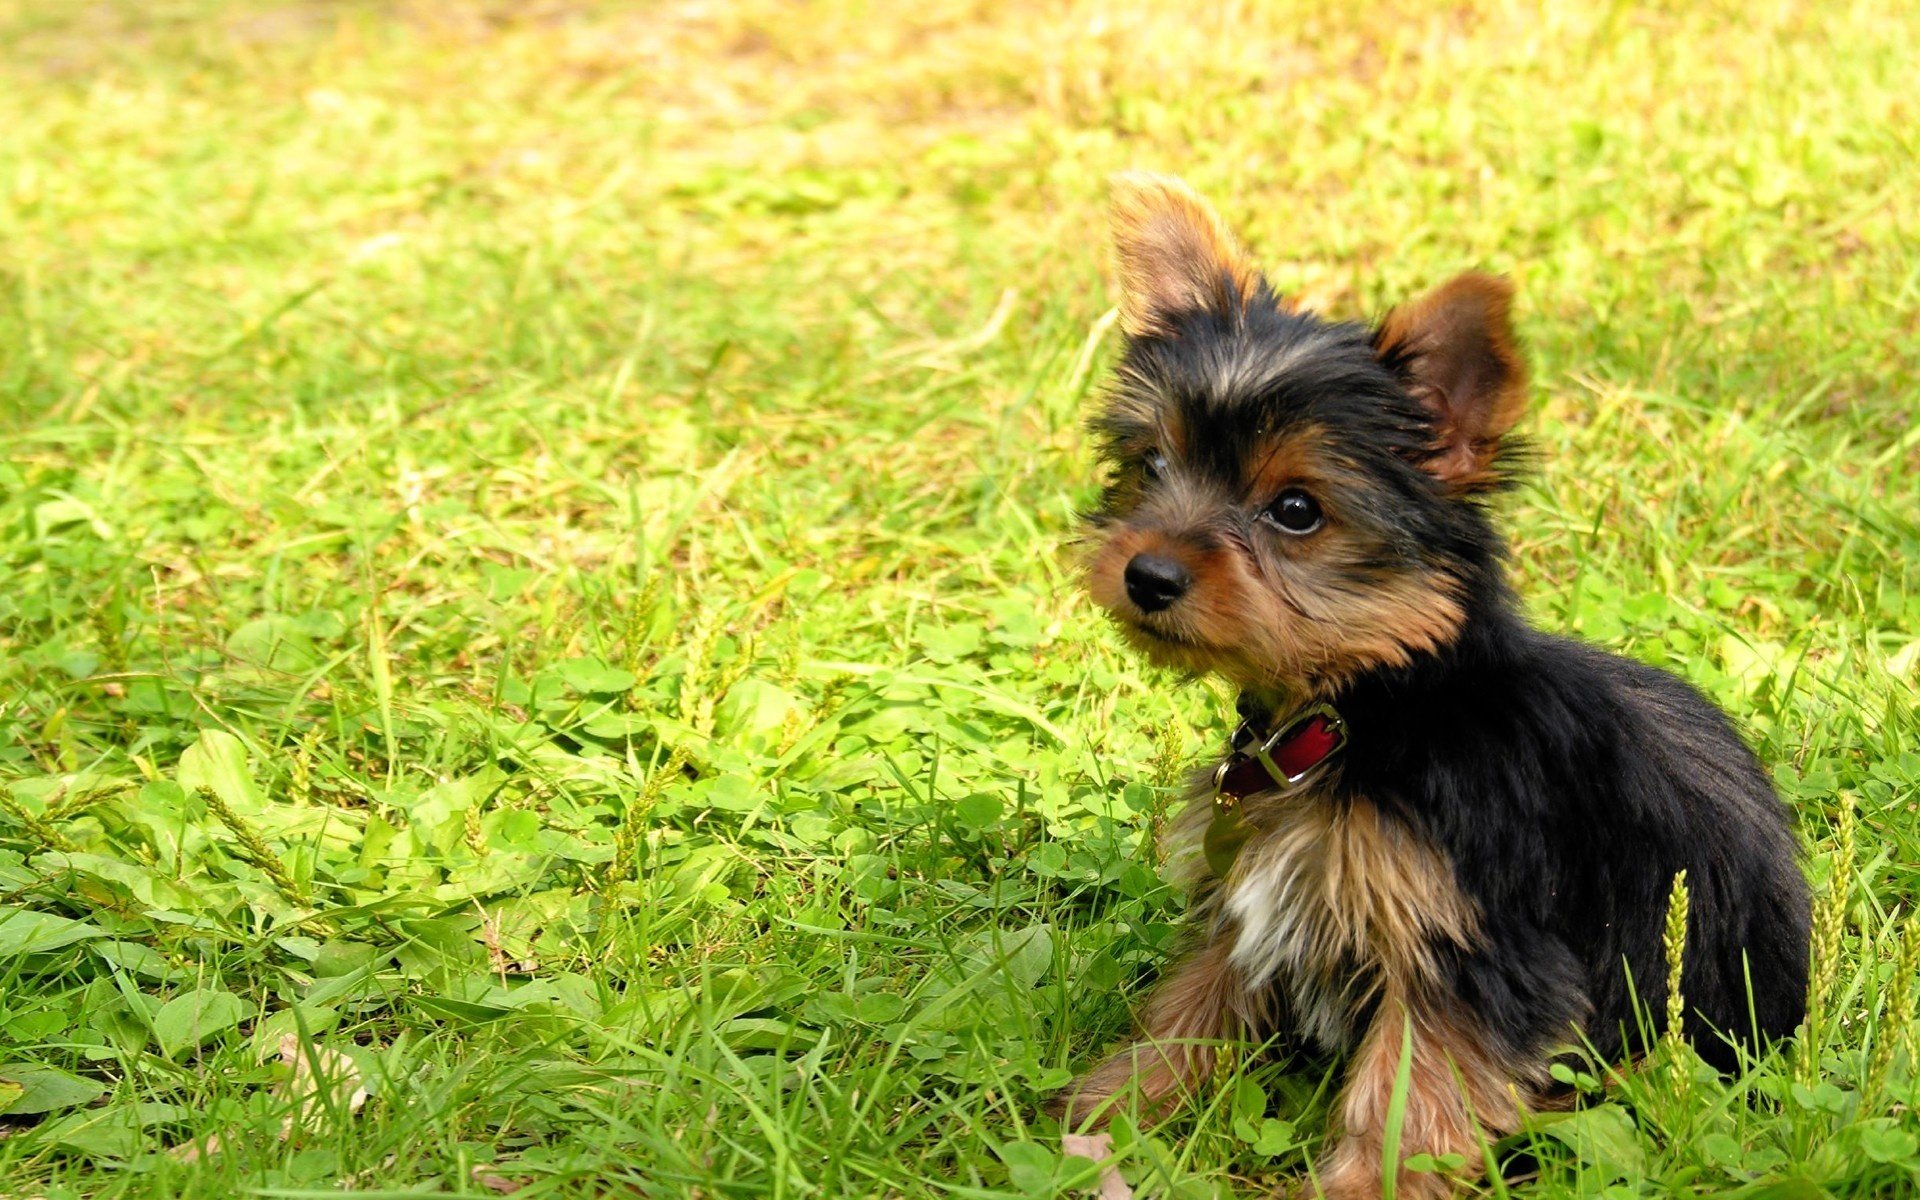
1295 512
1154 464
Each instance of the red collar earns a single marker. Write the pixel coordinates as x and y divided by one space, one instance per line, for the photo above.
1265 761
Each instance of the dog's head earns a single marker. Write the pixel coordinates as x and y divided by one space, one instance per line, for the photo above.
1290 501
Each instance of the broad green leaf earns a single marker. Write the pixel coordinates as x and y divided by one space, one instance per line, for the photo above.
1028 953
24 931
1032 1167
339 956
68 510
754 1033
144 884
38 1089
190 1021
354 985
1821 1097
103 1133
1275 1137
594 677
1249 1101
448 1009
729 793
1751 663
274 643
617 724
877 1008
1797 1188
113 1132
141 959
978 811
302 1022
1604 1138
756 711
1888 1144
217 761
1723 1150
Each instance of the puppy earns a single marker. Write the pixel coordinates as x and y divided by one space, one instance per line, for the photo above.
1440 838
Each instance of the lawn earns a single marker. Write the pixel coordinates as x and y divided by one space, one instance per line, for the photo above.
540 647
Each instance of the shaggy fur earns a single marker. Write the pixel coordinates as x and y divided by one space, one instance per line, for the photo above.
1481 874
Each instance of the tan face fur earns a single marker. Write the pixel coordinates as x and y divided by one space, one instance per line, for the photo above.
1228 402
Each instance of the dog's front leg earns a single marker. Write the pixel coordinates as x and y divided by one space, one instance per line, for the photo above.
1195 1007
1457 1090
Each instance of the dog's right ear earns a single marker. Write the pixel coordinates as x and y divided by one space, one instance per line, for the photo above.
1175 255
1456 350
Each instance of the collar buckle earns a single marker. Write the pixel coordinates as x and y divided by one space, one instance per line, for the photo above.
1281 760
1322 721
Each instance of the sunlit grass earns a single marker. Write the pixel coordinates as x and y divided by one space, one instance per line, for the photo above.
425 423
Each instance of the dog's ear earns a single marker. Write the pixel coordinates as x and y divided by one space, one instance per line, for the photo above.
1175 255
1456 350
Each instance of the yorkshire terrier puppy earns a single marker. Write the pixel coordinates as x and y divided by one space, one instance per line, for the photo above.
1437 831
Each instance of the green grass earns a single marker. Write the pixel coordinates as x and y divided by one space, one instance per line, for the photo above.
427 428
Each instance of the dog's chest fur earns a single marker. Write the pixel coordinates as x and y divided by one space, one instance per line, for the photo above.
1329 904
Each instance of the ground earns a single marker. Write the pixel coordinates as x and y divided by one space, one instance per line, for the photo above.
540 646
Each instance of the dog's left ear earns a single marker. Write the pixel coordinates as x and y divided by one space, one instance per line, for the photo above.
1456 349
1175 255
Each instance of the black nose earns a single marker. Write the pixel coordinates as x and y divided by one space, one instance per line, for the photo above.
1154 582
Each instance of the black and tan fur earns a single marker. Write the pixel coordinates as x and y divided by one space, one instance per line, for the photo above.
1484 867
